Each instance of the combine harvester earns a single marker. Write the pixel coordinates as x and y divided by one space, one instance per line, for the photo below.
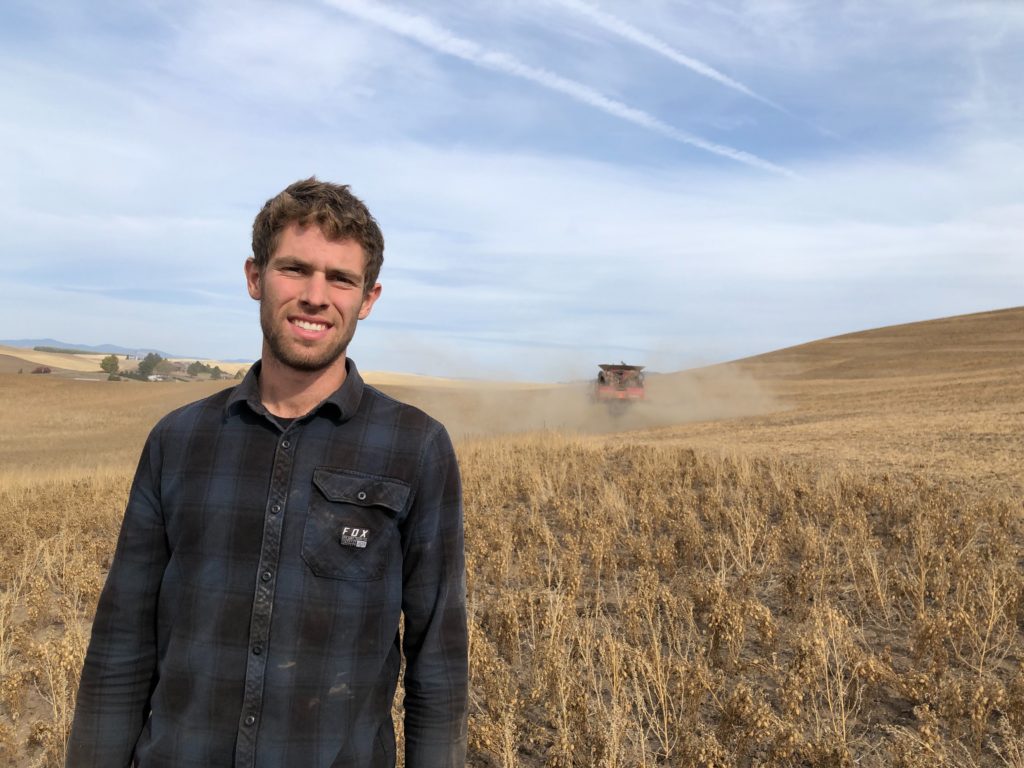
618 386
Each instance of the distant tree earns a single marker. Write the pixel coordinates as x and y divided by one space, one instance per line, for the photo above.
148 364
240 373
109 364
164 366
63 350
196 368
113 377
216 373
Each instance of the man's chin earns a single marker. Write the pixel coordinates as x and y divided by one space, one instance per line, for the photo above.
307 363
306 366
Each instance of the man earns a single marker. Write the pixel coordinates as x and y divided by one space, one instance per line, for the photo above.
274 535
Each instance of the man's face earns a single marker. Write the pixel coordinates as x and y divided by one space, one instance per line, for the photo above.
311 296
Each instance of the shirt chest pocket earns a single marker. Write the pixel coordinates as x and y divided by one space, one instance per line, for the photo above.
350 528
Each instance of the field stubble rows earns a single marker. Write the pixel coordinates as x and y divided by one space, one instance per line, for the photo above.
643 605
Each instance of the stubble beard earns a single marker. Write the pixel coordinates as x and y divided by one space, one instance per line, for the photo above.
296 356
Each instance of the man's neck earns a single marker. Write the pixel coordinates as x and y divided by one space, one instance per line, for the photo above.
290 393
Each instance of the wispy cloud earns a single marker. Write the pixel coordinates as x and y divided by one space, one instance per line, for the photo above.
185 297
507 218
627 31
428 33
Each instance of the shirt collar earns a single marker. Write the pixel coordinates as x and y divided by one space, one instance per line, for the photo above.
341 404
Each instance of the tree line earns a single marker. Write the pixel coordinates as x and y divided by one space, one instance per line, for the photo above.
154 363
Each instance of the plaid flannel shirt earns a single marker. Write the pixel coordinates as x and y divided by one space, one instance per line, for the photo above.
251 613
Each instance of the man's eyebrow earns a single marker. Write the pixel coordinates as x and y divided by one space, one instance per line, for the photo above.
347 274
287 260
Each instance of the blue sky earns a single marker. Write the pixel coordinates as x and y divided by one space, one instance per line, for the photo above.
560 182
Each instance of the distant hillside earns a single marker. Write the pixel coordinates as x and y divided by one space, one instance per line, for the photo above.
941 398
977 342
104 348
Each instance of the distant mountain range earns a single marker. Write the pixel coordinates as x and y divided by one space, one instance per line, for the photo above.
110 349
107 348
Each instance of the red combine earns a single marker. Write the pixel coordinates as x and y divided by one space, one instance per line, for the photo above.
618 385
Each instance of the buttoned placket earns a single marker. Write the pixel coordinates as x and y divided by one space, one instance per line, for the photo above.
263 599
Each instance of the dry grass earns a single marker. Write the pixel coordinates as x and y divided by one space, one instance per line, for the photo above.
13 359
944 399
58 427
27 359
817 586
57 538
642 605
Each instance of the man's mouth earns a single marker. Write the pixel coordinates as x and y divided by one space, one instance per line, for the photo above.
307 325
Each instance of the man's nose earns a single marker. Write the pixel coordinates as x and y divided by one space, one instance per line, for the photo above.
314 291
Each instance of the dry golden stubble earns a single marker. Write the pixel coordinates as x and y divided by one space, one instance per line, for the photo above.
58 536
824 523
643 605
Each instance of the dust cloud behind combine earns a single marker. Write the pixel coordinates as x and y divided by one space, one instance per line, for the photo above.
468 410
102 425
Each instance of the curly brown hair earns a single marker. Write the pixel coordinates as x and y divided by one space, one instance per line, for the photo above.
338 213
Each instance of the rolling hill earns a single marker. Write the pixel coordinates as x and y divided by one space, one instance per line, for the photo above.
945 395
941 396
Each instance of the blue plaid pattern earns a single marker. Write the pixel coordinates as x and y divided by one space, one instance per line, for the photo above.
251 614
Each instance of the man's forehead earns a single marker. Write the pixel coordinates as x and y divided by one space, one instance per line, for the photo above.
298 230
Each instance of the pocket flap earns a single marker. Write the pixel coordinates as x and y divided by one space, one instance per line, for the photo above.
362 490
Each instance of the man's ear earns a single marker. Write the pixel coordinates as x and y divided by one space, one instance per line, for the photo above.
252 279
369 298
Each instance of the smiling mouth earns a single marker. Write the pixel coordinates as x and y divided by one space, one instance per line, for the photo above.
306 325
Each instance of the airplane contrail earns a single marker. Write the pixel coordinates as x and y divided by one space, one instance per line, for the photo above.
437 38
626 30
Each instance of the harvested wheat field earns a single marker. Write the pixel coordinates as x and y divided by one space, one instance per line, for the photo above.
808 558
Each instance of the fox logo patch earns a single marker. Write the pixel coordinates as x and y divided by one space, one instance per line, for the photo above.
354 537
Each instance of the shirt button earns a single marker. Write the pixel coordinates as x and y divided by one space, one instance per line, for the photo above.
266 575
257 650
275 509
361 495
250 719
286 444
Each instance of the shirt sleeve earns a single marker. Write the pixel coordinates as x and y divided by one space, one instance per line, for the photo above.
120 665
434 606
